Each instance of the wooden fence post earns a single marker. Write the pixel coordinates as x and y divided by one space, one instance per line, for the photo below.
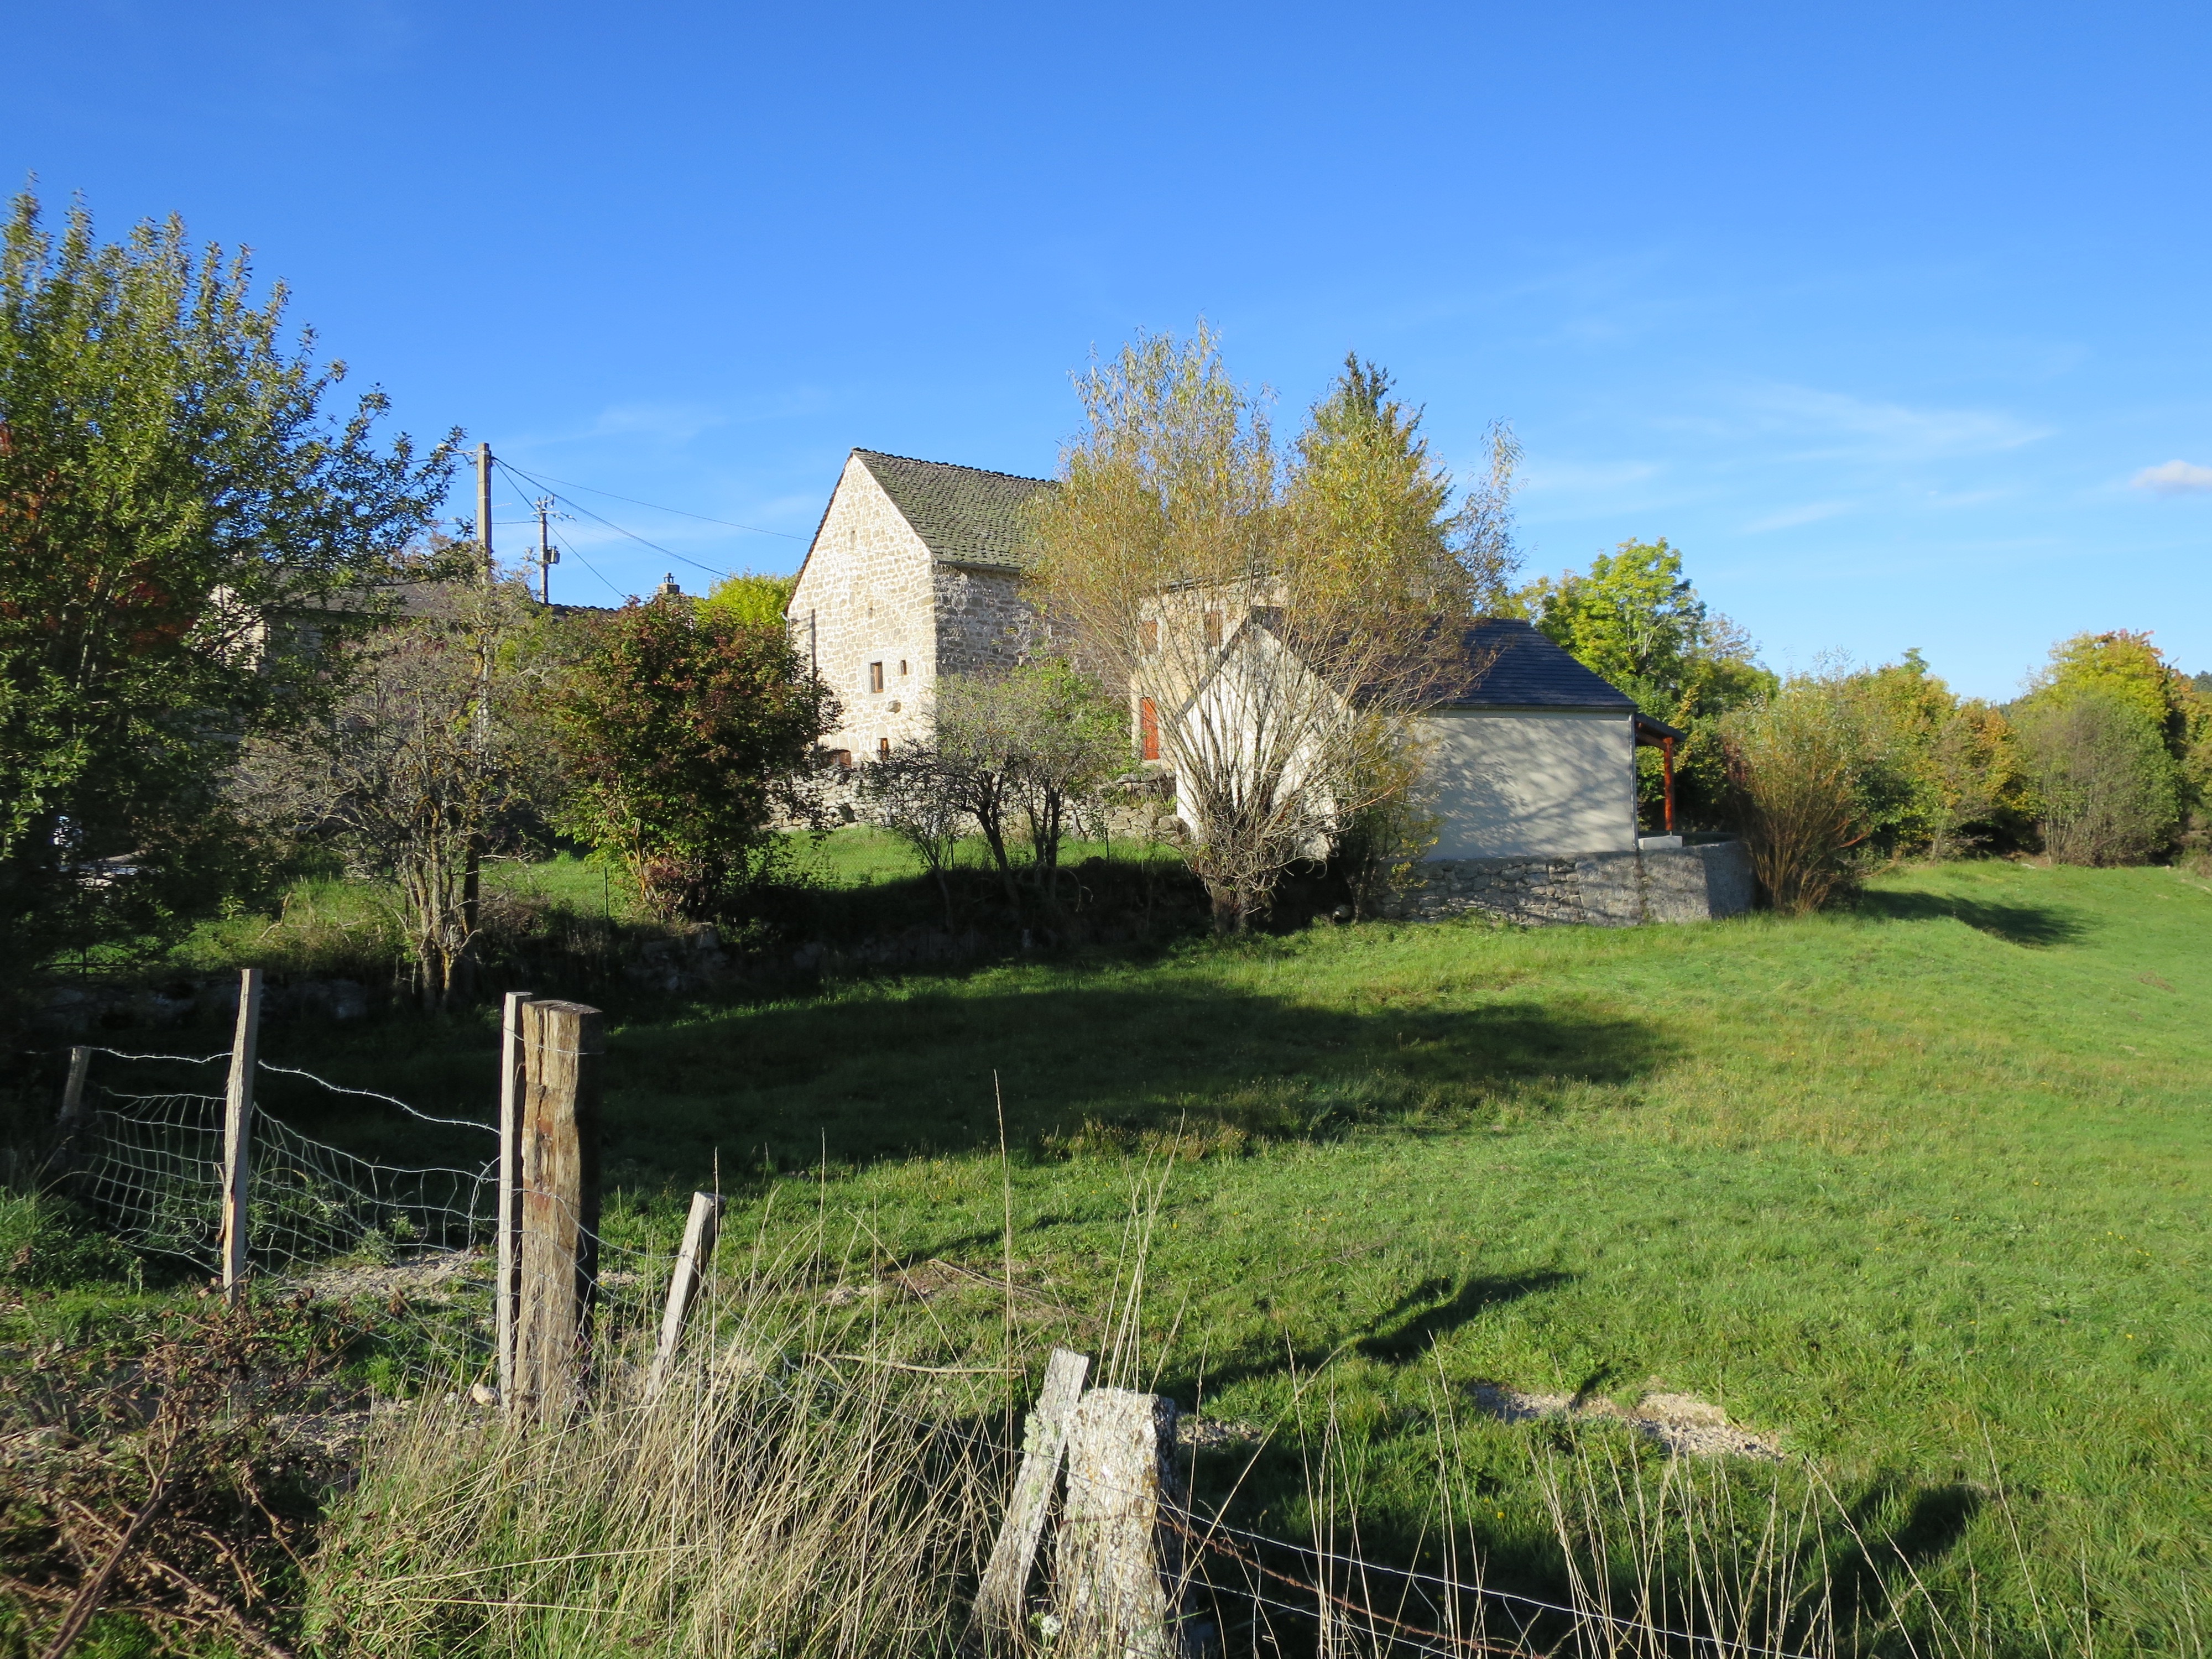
700 1231
508 1281
999 1598
562 1043
238 1133
1120 1560
68 1125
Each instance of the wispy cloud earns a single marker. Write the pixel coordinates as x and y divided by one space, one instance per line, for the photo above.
676 422
1861 427
1790 518
1538 476
2174 478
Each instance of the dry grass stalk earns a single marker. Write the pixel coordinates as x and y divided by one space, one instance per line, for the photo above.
773 1497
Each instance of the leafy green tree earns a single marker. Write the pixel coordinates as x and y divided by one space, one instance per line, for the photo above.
757 601
1634 618
1957 758
2114 782
1336 576
186 538
686 733
2106 790
1812 779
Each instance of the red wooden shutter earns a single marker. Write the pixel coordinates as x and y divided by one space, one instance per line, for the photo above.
1148 729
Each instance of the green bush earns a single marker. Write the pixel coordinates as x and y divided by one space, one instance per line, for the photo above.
48 1243
1812 778
2108 790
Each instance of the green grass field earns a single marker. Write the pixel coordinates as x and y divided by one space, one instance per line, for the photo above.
1919 1189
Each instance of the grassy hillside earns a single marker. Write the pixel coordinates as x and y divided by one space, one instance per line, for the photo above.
1919 1189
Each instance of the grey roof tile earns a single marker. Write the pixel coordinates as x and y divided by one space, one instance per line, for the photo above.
1527 671
962 514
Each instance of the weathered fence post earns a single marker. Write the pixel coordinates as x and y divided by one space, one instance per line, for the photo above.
1120 1562
507 1284
68 1125
700 1231
238 1133
561 1045
999 1598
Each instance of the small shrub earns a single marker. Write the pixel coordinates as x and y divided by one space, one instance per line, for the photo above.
1810 777
48 1243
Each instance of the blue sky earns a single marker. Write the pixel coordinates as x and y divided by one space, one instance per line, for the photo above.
1881 314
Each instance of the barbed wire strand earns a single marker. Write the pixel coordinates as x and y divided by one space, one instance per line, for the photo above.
389 1100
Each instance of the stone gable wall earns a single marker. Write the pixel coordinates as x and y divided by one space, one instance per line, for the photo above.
983 621
869 590
1598 889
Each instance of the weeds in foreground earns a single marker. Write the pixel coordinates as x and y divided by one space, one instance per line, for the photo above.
806 1482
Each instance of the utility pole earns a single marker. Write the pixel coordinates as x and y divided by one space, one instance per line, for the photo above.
483 504
473 868
548 554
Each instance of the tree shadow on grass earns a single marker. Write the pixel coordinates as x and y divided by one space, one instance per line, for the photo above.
2034 925
1867 1562
1105 1067
1415 1336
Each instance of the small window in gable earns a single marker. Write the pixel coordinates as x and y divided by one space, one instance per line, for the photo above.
1148 638
1213 630
875 676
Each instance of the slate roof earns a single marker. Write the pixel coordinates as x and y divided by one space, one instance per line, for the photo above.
1527 672
962 514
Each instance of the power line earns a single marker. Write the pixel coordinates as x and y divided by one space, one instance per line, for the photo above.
753 529
581 559
671 552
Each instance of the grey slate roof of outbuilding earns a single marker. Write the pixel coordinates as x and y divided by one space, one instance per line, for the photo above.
1509 665
962 514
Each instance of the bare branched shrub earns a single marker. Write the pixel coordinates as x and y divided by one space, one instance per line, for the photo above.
1806 770
1025 753
909 792
2105 786
423 766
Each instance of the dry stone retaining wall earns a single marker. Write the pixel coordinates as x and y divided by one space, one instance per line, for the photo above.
1596 890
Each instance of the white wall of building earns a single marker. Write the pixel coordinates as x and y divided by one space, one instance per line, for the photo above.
1522 783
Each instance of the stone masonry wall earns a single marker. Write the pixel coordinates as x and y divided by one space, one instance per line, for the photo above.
1599 890
869 591
983 621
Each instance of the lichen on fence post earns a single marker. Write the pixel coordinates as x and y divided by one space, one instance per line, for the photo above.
999 1598
1120 1565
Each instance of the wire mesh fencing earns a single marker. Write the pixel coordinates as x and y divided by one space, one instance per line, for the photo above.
406 1256
152 1167
151 1164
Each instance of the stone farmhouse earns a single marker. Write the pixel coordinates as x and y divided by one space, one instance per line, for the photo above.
914 572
